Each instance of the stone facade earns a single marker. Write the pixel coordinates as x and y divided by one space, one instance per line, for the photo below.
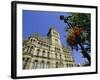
46 52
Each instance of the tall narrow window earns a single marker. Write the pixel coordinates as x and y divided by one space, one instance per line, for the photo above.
60 57
25 61
31 50
48 55
38 44
70 65
31 40
38 51
28 49
62 65
24 49
56 55
34 42
42 64
48 65
35 64
43 54
65 58
56 64
67 65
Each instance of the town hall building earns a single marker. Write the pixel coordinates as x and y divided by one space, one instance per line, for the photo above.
46 52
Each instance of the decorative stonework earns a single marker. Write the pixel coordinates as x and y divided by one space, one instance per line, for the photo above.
46 52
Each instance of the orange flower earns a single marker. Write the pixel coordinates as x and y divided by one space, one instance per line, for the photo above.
73 33
71 39
77 30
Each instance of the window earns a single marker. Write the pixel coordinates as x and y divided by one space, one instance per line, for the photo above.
38 44
24 49
60 56
62 65
38 51
56 64
65 58
43 53
25 61
42 64
40 54
56 40
67 65
28 49
55 33
48 55
46 45
31 49
71 65
56 55
35 64
48 65
31 40
34 40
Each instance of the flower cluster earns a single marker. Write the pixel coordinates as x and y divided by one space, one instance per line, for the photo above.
73 33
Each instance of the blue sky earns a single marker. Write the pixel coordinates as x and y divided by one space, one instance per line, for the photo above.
41 21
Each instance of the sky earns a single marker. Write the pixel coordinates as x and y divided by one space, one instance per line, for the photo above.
41 21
